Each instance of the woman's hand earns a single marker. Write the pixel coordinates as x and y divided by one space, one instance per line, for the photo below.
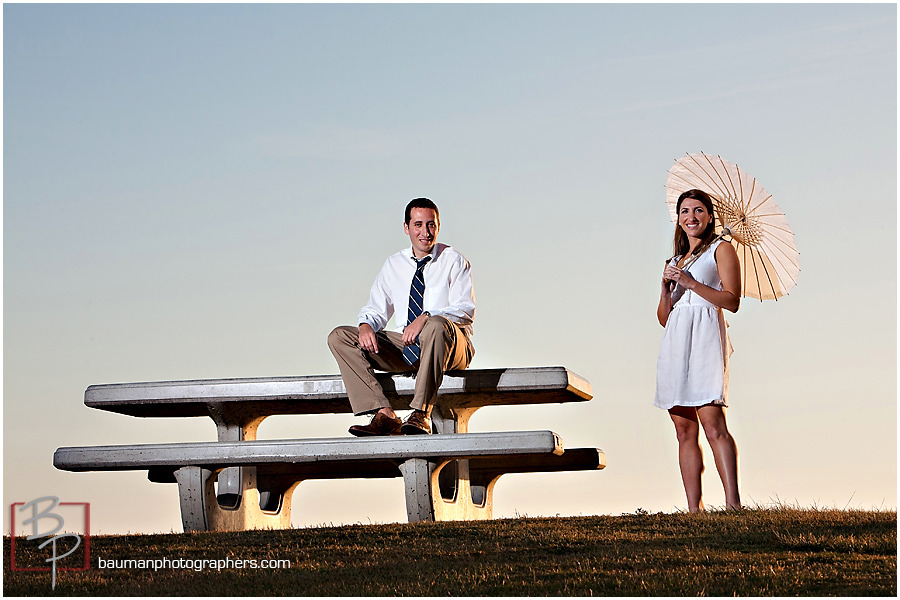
729 297
667 285
665 299
680 277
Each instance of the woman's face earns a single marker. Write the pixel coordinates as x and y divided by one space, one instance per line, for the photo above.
693 217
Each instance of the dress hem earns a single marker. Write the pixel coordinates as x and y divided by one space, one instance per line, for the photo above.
717 402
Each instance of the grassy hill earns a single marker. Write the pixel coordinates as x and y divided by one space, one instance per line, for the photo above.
756 552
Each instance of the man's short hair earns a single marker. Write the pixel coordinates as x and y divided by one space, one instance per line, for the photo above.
421 203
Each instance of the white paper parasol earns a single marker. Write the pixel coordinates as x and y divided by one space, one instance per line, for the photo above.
748 216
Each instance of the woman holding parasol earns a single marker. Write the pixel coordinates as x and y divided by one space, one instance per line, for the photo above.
699 282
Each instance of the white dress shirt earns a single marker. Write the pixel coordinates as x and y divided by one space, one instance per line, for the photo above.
448 290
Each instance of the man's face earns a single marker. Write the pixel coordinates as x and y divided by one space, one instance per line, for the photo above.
422 230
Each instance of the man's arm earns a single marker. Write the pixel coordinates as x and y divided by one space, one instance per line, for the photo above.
411 332
374 316
460 302
461 307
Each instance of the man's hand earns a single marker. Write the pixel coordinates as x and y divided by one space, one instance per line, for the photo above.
367 339
413 329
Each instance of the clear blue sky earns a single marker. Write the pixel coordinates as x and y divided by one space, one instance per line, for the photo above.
205 191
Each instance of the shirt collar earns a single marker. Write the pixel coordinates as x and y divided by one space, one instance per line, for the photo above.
434 254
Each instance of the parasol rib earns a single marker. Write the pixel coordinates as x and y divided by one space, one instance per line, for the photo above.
716 173
697 182
727 174
746 270
753 252
749 198
709 179
784 254
769 276
755 208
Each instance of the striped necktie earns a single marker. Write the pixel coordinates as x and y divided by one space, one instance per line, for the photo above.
416 304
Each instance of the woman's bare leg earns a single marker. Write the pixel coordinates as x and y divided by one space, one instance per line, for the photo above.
724 449
690 455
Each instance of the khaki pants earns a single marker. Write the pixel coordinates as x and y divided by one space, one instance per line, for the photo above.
444 347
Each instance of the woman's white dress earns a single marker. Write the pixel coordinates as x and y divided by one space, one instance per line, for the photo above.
692 369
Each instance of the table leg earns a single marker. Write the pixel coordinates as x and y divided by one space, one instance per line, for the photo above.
233 424
442 491
201 511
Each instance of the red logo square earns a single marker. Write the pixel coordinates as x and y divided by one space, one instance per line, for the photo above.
49 550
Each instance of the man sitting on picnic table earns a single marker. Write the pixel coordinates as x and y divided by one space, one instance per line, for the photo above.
428 288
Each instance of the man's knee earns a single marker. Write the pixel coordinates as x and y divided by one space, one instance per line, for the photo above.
343 335
435 328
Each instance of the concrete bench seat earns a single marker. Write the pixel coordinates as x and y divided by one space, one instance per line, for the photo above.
239 482
275 467
213 455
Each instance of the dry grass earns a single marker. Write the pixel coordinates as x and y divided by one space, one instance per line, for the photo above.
757 552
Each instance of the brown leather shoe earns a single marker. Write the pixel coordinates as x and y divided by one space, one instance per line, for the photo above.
380 424
416 423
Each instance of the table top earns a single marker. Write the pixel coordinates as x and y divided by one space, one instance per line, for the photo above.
320 394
